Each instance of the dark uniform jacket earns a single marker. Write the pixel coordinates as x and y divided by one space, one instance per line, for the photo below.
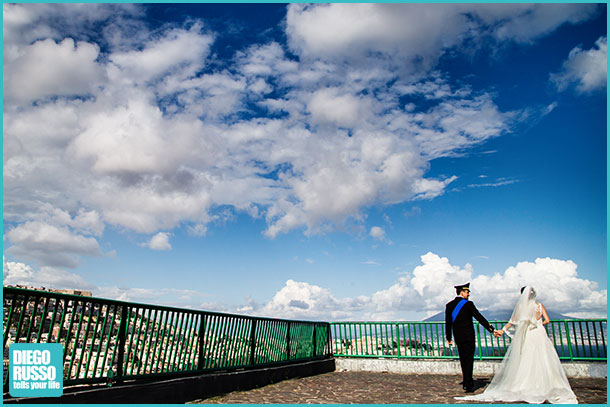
462 327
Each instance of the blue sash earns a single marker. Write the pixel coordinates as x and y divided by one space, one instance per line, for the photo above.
457 309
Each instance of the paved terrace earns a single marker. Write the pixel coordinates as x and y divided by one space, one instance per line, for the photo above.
381 388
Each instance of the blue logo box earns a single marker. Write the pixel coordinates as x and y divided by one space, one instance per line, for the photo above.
36 370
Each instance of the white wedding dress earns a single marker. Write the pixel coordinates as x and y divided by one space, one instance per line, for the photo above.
530 371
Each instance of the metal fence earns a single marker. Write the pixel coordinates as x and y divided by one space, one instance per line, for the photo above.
574 339
135 340
129 341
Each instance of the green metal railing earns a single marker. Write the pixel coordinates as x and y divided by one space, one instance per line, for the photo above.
135 340
574 339
125 340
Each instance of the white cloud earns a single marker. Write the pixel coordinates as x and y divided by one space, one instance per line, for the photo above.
182 51
16 273
526 22
417 34
26 23
163 134
173 297
498 183
300 300
197 230
265 60
338 31
586 69
329 106
430 188
457 123
210 96
134 139
556 281
49 244
427 289
145 210
149 151
160 241
46 68
417 294
377 233
88 221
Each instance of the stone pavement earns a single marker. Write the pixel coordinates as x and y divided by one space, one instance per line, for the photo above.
381 388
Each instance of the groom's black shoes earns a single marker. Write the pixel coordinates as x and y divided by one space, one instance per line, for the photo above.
468 387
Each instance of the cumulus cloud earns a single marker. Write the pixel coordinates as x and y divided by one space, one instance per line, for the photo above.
585 69
433 282
160 241
300 300
24 24
46 68
422 292
557 283
55 237
329 106
147 130
417 34
430 285
134 139
16 273
49 244
178 51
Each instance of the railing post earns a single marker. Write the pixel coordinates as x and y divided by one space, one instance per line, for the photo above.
479 342
568 338
314 341
200 347
7 328
288 342
398 339
252 342
122 337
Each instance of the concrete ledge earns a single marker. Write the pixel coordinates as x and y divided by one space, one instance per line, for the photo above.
181 390
451 367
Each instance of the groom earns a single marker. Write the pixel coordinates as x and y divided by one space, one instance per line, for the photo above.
458 319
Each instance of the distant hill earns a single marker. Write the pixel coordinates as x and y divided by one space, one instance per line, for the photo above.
495 315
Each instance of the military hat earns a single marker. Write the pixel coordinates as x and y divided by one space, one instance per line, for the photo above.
459 288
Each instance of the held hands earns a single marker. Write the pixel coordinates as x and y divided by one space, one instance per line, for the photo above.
497 334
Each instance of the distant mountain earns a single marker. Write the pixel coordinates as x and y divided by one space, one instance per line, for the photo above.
495 315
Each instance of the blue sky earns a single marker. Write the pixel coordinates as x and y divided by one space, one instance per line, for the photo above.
330 161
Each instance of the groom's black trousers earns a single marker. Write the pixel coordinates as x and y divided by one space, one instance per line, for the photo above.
466 352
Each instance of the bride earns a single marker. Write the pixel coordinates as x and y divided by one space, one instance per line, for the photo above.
530 371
